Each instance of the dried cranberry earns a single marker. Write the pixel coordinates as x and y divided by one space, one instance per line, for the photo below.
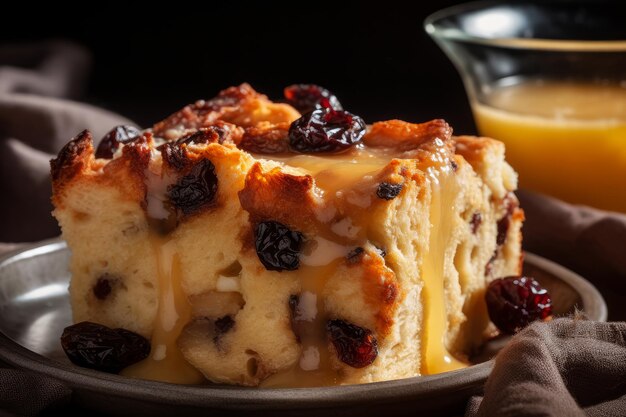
277 246
95 346
388 191
355 346
326 130
112 140
195 189
514 302
308 97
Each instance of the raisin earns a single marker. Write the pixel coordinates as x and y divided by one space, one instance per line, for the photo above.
514 302
211 134
293 303
196 189
355 255
454 166
326 130
475 222
308 97
222 326
95 346
102 288
174 155
503 230
355 346
116 137
504 223
388 191
277 246
381 251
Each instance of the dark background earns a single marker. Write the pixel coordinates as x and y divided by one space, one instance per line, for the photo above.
377 59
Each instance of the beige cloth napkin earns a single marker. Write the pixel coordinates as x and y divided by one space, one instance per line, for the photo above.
33 128
565 367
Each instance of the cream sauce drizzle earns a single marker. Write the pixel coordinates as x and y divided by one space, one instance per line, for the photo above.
333 175
435 356
314 367
165 362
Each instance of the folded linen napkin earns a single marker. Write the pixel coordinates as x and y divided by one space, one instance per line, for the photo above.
567 367
34 127
571 366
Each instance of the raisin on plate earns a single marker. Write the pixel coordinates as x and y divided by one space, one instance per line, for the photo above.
95 346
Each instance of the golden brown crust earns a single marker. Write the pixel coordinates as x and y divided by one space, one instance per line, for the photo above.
131 166
203 113
278 196
266 138
381 291
472 148
405 136
72 159
239 105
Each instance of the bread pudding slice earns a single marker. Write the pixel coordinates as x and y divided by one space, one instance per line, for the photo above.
255 245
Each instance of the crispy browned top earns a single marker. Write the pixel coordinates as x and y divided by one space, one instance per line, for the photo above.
222 131
70 160
240 118
405 136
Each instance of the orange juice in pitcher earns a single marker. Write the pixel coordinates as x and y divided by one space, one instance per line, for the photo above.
566 139
549 80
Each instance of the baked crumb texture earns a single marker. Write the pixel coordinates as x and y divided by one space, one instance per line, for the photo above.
423 219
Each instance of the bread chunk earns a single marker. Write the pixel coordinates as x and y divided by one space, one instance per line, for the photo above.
247 263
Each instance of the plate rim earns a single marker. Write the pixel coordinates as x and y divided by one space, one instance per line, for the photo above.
237 397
